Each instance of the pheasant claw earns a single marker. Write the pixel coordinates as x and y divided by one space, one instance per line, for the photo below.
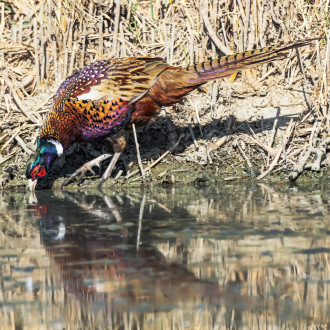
87 167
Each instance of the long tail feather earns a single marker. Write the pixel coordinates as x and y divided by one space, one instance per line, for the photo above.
227 65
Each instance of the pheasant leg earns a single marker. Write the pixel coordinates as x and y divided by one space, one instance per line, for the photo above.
87 167
118 145
111 166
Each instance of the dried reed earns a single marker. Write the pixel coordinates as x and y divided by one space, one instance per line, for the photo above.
44 41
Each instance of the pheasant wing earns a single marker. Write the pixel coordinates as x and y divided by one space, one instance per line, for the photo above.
120 78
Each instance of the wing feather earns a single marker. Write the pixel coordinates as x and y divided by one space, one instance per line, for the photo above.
125 78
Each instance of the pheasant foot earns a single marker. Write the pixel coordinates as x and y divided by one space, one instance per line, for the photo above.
87 167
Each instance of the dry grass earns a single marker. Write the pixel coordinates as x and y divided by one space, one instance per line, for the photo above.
42 42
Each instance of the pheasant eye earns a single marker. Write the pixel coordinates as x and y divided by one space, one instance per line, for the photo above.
38 171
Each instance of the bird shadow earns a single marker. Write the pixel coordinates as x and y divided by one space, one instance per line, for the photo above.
157 138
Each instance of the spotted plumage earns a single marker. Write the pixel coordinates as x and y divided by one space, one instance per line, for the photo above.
86 121
102 100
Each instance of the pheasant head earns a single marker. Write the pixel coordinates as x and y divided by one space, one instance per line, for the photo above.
41 161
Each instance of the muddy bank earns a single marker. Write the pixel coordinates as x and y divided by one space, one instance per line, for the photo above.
169 172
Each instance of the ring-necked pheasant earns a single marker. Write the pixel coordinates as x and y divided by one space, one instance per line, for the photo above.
102 100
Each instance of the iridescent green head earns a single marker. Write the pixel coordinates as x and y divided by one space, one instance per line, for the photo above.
41 161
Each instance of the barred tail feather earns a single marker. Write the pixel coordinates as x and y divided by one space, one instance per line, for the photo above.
227 65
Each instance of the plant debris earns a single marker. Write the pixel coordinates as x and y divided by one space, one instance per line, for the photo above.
271 120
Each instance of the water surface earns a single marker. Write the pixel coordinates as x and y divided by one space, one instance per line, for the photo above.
234 255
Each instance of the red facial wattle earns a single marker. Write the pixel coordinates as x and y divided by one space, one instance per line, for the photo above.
38 171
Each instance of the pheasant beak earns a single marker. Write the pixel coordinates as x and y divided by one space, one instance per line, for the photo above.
32 184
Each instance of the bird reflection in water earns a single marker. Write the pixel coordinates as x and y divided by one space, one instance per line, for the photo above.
103 247
217 255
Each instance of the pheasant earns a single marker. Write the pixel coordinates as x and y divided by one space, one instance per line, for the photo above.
102 101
